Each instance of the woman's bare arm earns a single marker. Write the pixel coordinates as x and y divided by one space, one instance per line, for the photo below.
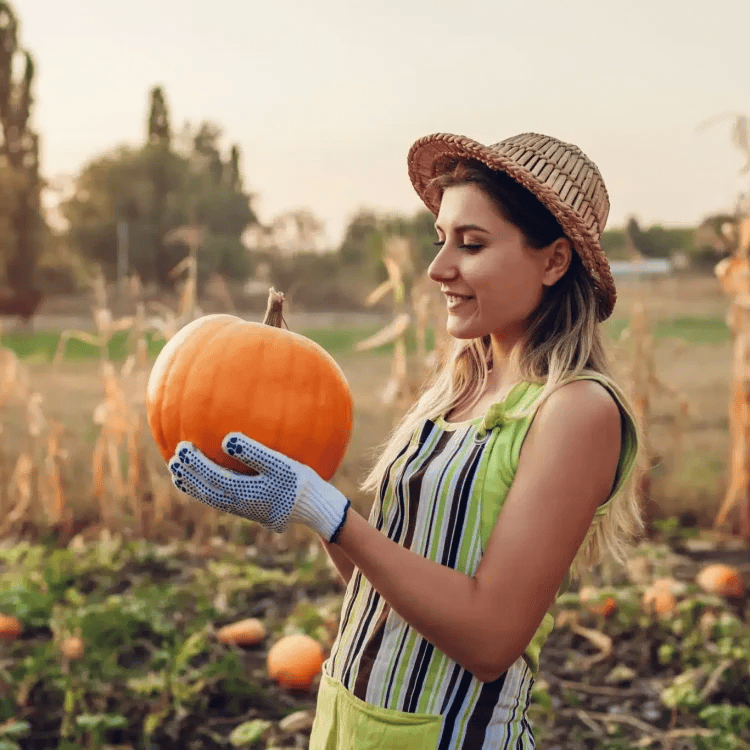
343 564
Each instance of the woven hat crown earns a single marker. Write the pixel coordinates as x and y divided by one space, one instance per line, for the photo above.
559 174
565 170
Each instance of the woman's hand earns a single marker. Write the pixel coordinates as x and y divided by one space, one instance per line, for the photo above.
284 490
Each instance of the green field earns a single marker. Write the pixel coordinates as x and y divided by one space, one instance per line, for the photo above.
41 345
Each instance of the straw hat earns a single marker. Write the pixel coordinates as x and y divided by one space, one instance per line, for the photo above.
559 174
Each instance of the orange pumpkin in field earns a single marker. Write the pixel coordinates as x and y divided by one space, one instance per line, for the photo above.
222 374
659 598
10 627
294 660
596 602
72 648
245 632
721 579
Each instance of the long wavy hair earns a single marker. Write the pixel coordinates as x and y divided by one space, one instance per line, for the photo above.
562 340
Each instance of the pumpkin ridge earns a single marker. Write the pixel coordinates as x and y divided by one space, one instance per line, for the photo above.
320 429
209 333
189 408
157 386
160 374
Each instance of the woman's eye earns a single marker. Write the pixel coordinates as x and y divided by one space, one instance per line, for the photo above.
470 248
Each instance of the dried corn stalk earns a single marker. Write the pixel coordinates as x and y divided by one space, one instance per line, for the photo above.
14 379
413 312
34 493
218 289
644 382
118 444
35 482
22 481
193 236
733 274
105 325
54 493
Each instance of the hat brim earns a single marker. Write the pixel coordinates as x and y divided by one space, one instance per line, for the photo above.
435 154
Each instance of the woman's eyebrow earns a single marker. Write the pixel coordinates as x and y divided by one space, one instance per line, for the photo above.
466 228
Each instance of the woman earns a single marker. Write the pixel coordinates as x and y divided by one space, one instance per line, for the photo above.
508 473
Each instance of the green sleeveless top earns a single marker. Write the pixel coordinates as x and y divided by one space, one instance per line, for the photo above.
441 497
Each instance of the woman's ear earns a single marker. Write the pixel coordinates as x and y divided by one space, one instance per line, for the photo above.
559 255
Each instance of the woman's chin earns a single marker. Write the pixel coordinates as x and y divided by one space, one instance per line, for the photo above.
460 330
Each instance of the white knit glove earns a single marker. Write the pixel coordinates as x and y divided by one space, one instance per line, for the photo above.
284 489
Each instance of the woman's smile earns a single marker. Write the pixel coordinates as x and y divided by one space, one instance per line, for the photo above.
456 300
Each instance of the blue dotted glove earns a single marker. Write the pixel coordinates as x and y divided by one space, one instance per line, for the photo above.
284 489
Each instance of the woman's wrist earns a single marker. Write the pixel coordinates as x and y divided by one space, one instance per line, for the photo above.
337 532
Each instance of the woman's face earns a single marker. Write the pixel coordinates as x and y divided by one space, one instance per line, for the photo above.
492 280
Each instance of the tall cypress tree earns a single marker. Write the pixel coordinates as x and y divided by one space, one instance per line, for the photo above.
234 178
158 145
20 153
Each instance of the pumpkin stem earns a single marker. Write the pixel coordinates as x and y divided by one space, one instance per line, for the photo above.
274 310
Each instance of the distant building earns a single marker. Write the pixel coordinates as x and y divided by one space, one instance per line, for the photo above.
289 234
641 267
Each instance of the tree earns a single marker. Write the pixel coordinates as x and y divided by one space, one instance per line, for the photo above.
19 154
155 189
233 175
159 132
658 241
362 245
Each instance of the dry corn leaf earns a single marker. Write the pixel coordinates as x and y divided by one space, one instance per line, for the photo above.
35 419
597 639
10 375
21 484
396 328
379 292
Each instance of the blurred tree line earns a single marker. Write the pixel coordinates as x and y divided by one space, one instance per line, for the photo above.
122 207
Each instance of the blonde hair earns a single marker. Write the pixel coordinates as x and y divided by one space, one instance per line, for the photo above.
562 340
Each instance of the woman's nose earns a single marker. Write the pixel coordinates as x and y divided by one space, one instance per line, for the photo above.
442 267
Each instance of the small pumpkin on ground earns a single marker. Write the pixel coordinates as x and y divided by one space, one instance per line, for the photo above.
722 580
222 374
294 661
596 602
72 648
659 598
10 627
246 632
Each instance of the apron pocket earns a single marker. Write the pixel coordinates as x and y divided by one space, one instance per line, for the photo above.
344 722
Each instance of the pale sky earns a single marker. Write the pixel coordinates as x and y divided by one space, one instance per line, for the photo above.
325 98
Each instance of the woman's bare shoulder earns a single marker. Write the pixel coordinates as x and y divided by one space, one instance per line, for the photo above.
587 394
579 406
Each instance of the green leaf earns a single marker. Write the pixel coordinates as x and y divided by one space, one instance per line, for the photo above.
193 646
249 732
152 683
153 720
15 729
99 721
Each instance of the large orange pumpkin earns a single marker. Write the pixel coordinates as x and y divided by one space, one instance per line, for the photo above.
222 374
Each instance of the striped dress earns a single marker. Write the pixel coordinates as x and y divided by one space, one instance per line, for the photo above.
441 498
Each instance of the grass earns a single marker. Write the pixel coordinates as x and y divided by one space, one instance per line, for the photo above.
691 330
41 345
